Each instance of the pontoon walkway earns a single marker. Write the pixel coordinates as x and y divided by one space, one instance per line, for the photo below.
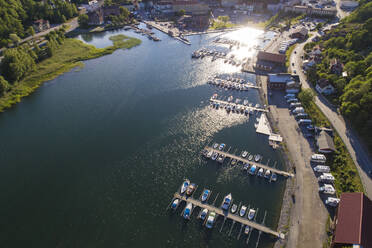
238 105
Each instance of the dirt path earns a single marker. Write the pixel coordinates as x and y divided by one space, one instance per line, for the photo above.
308 216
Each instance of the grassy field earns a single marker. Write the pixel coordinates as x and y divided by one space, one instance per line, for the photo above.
71 54
342 165
221 25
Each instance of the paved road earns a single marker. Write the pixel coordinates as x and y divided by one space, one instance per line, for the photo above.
357 151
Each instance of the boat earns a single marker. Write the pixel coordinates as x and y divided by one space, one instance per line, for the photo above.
175 203
250 157
257 157
332 201
327 189
215 145
244 154
221 146
252 171
214 156
190 189
260 172
209 154
210 220
243 209
267 174
233 162
245 102
233 209
251 214
184 186
274 177
221 158
187 212
246 230
226 202
245 167
205 195
203 214
230 98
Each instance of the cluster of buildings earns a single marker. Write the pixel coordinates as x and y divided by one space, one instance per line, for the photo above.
41 25
284 81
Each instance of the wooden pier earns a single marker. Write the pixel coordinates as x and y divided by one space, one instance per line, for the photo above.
239 105
266 167
227 215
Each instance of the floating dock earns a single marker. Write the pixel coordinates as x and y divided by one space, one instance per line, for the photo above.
238 158
227 215
171 32
238 105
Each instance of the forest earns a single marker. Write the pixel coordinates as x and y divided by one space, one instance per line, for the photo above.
349 43
17 16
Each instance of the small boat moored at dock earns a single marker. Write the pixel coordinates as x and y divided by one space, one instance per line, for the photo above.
250 157
226 202
184 186
274 177
205 195
190 189
234 207
221 146
175 203
246 230
252 171
203 214
251 214
187 212
243 210
260 172
244 154
210 220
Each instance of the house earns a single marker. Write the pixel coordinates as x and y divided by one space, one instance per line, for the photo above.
299 33
336 66
95 17
229 3
164 7
325 143
111 10
353 223
306 64
349 4
309 10
41 25
191 7
324 87
275 58
283 81
274 7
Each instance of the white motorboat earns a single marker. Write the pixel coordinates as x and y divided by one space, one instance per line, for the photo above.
274 177
184 186
210 220
260 172
226 202
209 154
243 210
257 157
205 195
215 145
203 214
175 203
250 157
221 146
267 174
234 207
187 212
214 156
246 230
251 214
190 189
244 154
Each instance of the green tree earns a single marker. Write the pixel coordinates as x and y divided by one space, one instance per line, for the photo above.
83 21
4 86
15 39
181 12
124 12
31 31
306 96
224 19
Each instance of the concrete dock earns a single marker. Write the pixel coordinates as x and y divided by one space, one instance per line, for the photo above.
232 156
173 32
227 215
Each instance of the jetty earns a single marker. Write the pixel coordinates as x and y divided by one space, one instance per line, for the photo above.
227 215
173 32
246 161
241 106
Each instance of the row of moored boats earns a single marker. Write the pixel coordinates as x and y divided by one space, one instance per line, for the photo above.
227 84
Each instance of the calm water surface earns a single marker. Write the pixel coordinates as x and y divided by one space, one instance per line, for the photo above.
92 158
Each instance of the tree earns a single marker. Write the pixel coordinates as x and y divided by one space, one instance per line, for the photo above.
124 12
4 86
181 12
83 21
306 96
31 31
224 18
15 39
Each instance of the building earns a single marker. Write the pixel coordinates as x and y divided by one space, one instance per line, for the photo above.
283 81
41 25
274 7
299 33
353 223
164 7
229 3
309 10
111 10
336 66
275 58
95 17
191 7
349 4
324 87
306 64
325 143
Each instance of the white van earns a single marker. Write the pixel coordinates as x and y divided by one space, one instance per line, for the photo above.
298 110
304 122
290 100
295 105
322 169
318 158
288 96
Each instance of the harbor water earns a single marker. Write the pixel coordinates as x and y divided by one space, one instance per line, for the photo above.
93 157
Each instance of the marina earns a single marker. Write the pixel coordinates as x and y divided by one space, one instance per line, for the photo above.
246 161
230 106
232 83
173 32
226 215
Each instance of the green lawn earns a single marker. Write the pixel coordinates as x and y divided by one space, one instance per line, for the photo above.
71 54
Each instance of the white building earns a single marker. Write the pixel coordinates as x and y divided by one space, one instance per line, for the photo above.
349 4
324 87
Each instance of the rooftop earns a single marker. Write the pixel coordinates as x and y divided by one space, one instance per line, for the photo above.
274 57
